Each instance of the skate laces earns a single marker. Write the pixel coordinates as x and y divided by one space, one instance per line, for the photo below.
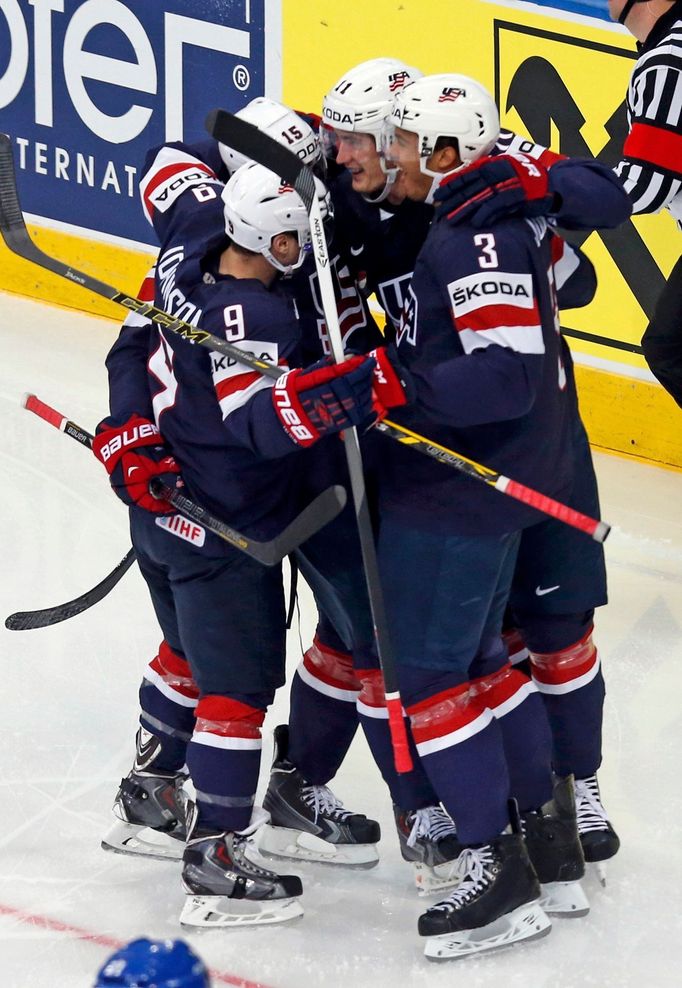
237 847
323 801
431 822
473 865
588 805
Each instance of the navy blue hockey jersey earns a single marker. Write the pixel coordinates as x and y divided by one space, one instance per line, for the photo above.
480 337
209 408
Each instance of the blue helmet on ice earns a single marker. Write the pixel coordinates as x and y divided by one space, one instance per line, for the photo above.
147 963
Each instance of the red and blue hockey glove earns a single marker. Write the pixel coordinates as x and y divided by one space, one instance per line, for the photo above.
491 189
133 454
316 401
392 384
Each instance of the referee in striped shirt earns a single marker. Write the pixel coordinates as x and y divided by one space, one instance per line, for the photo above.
651 168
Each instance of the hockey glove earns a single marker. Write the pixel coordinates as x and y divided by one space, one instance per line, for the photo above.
133 454
392 384
491 189
325 398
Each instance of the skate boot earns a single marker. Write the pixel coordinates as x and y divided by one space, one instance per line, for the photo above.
150 817
598 838
554 849
308 822
226 888
495 904
150 808
429 840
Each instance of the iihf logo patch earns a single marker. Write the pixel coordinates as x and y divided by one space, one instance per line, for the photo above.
450 94
183 528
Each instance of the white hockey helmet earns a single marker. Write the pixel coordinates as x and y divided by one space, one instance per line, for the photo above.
283 125
360 102
447 105
258 205
361 99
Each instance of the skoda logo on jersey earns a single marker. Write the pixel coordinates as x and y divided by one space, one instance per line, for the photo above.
491 287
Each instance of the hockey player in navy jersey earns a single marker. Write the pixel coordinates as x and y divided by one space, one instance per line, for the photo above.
235 437
385 231
306 818
477 367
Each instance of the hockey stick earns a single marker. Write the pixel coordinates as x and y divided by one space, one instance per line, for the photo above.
258 146
318 513
46 616
598 530
17 239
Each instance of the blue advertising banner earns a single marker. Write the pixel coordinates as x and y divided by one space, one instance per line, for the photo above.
87 86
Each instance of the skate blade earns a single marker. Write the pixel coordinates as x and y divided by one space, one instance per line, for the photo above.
130 838
565 899
281 842
433 879
600 869
528 922
212 912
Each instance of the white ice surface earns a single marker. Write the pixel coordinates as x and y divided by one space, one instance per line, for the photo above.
69 715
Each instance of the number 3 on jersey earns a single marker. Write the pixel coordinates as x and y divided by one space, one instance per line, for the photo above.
488 255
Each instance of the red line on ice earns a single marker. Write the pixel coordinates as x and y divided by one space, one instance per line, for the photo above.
102 940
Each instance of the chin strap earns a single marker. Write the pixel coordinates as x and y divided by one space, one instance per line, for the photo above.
374 198
626 10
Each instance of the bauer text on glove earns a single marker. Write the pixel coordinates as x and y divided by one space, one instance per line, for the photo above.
325 398
133 454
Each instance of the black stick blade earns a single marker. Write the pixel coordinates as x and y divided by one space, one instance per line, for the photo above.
319 513
11 217
28 620
254 144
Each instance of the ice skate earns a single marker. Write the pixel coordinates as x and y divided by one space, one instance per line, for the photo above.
554 849
225 887
150 816
597 836
495 904
309 823
429 840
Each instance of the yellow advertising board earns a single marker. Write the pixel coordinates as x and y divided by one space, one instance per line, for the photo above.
560 79
582 113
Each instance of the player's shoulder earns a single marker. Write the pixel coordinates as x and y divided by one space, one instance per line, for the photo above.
258 303
172 170
456 251
446 237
